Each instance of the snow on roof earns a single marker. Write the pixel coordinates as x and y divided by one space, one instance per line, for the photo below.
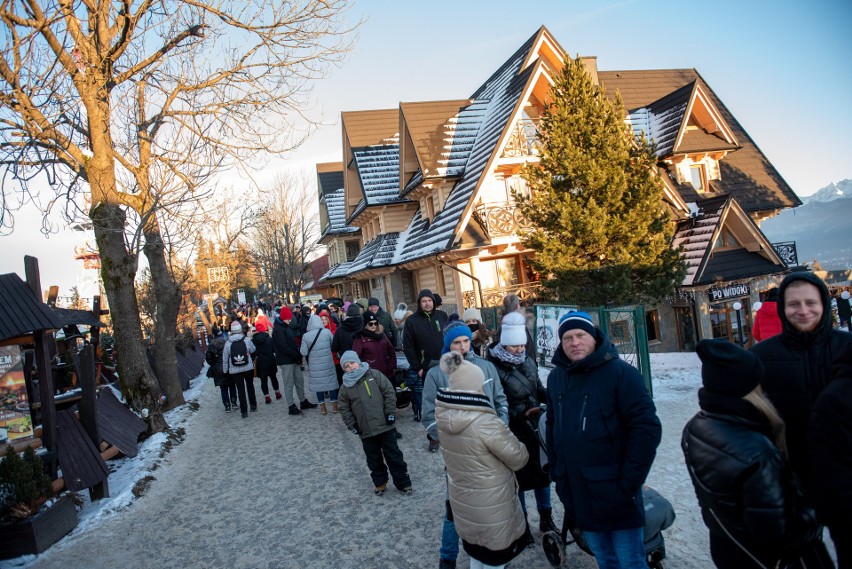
334 204
376 253
378 167
662 119
337 271
695 236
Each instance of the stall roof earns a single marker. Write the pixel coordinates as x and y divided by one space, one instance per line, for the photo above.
20 311
74 317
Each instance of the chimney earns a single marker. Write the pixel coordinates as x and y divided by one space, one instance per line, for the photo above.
591 64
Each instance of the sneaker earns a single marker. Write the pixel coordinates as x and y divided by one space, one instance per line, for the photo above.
417 416
234 402
553 548
294 410
447 564
227 407
408 491
268 399
277 395
245 415
434 445
307 405
379 490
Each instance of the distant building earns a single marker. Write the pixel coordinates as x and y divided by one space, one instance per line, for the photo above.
424 195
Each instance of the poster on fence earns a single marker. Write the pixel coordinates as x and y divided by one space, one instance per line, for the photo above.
15 420
547 329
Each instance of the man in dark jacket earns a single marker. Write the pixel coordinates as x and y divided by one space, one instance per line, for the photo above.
289 360
602 436
422 343
345 333
798 361
384 319
830 457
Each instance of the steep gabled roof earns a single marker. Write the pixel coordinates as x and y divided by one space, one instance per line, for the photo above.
20 311
334 204
432 126
329 177
745 172
377 253
378 169
697 236
498 97
338 271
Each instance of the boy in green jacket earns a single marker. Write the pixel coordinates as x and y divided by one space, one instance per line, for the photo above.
367 403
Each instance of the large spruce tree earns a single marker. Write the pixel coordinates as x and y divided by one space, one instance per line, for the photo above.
599 227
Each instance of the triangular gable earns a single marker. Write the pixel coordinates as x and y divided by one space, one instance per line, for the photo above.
545 48
363 130
705 264
431 127
714 130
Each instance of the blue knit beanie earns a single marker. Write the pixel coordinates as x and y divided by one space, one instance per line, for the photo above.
453 330
574 320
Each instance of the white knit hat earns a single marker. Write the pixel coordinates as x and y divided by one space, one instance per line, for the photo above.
400 311
463 375
514 330
472 314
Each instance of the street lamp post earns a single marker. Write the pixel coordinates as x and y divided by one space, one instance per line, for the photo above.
738 306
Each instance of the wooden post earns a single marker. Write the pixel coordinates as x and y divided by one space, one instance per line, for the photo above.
45 371
88 411
95 332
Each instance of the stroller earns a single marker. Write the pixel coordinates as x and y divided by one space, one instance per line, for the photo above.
659 515
403 392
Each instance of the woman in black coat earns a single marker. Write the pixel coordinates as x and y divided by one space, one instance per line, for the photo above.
735 451
524 394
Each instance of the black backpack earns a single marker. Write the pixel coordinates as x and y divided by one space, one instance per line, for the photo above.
239 353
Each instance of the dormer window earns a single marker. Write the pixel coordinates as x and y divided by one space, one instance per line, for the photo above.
430 208
698 177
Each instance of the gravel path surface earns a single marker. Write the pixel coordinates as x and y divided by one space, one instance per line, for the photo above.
275 491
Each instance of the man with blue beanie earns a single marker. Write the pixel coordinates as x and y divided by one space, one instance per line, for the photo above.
457 337
599 410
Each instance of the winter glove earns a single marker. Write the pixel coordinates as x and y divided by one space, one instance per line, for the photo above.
391 419
355 431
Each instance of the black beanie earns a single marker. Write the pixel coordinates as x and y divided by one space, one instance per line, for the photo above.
727 369
373 302
353 310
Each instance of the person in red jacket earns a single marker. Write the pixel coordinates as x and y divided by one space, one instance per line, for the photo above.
373 347
767 323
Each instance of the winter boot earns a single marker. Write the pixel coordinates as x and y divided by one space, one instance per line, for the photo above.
323 409
447 564
294 410
334 408
227 407
308 405
545 521
268 399
380 489
277 395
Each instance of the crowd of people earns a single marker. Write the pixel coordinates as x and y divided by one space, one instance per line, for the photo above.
769 452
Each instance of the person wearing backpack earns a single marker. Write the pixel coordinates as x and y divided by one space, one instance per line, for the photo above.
237 363
223 381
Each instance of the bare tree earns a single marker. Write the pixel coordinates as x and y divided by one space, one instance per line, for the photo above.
285 236
106 100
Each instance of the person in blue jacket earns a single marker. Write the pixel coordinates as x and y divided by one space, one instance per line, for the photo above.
602 436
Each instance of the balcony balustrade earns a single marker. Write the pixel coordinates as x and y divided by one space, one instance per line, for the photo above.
494 296
522 139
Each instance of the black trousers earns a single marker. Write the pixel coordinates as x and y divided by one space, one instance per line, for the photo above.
381 448
245 383
267 376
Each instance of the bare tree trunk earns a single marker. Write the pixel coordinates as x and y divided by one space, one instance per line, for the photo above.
167 294
118 269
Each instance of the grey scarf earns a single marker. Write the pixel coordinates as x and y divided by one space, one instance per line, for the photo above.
350 378
499 352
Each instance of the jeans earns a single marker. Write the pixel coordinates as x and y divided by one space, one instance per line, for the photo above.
229 392
291 376
415 384
449 540
620 549
332 395
542 499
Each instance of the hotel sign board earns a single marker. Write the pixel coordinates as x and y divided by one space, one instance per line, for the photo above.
732 291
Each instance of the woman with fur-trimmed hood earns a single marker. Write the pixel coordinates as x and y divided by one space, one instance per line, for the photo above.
481 455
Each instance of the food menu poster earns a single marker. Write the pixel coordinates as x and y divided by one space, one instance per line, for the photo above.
15 420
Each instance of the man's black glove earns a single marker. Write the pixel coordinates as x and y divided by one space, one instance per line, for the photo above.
391 419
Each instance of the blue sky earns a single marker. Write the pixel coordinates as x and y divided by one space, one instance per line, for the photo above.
783 68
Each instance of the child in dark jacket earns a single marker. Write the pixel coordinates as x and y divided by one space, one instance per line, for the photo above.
264 363
367 403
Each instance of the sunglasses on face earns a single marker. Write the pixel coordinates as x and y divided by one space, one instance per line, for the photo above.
370 324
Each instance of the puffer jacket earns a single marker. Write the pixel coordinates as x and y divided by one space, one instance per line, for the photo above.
524 391
424 338
481 454
602 436
226 355
323 376
437 379
366 405
766 322
284 342
798 367
745 486
375 349
265 354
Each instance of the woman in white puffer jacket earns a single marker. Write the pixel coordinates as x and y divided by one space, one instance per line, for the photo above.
481 455
316 347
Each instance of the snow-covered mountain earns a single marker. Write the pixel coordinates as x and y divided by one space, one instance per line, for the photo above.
821 227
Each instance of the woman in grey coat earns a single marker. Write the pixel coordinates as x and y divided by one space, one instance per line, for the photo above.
316 347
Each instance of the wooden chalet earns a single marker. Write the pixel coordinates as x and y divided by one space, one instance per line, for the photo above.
423 197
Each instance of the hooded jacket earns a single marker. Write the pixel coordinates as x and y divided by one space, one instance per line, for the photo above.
213 356
375 349
284 342
481 454
227 367
602 436
745 486
366 404
798 367
436 379
830 452
424 337
345 334
265 354
322 376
